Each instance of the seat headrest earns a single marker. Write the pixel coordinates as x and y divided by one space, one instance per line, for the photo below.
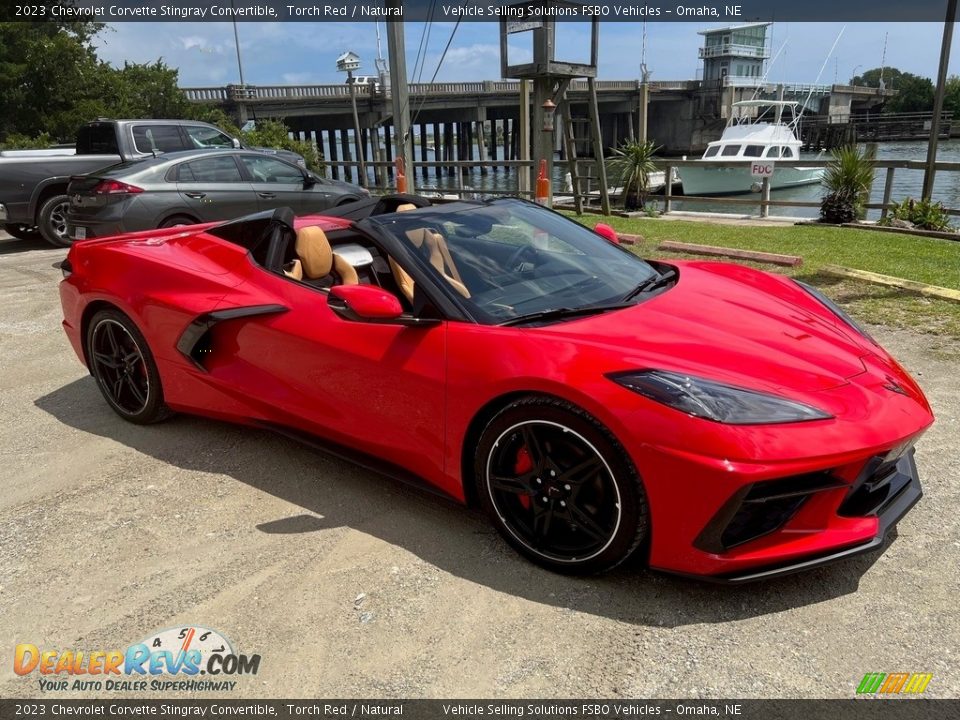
314 252
406 207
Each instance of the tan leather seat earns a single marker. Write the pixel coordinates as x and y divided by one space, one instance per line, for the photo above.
294 269
439 256
318 259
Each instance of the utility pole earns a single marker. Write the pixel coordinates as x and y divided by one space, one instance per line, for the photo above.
357 136
399 92
930 171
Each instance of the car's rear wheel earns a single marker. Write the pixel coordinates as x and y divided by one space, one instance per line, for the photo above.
52 220
22 232
177 221
559 487
123 366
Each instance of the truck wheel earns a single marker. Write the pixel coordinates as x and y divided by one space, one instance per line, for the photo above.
21 232
52 220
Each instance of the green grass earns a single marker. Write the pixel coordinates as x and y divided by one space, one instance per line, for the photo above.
928 260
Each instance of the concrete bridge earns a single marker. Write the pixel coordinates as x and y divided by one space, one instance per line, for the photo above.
681 116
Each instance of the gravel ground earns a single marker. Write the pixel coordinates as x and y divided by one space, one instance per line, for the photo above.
348 584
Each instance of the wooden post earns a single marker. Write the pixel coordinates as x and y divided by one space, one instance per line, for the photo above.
387 144
521 136
448 146
667 189
437 149
332 145
345 147
482 145
377 157
765 197
887 189
423 151
493 143
598 146
361 172
364 156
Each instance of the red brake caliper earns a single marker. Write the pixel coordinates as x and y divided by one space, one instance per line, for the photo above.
523 464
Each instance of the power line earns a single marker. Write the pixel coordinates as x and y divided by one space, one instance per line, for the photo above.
436 72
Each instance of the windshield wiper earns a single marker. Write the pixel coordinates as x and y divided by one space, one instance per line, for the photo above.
562 313
653 283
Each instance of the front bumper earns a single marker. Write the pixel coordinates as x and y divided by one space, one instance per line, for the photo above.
884 496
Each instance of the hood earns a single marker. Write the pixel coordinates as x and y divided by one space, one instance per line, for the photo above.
728 323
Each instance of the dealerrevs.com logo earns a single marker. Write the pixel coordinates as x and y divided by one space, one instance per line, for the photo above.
184 653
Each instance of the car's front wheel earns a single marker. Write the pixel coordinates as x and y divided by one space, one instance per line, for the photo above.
559 487
123 366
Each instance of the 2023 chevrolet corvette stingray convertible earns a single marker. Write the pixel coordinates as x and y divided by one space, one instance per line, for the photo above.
726 422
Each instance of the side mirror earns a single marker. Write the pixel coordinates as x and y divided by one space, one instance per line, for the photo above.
364 303
236 143
309 180
372 304
607 232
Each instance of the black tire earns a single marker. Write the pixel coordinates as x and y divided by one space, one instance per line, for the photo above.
592 507
177 220
22 232
123 366
52 220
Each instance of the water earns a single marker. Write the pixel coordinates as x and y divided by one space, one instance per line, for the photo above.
906 183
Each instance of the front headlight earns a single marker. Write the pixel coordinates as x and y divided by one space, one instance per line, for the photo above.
715 401
836 310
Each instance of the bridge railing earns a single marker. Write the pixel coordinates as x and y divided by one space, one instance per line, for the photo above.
261 93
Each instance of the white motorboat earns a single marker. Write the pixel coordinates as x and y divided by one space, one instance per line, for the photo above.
757 131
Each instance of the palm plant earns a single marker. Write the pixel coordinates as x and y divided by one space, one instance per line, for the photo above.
632 165
848 178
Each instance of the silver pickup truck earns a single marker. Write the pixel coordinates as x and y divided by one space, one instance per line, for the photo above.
33 184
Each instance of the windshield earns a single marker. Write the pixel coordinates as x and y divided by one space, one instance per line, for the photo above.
510 258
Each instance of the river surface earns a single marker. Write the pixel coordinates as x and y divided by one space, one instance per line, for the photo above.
907 183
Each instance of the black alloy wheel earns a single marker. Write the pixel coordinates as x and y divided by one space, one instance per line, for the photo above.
559 488
124 368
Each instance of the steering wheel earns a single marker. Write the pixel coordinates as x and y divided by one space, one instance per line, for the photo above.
515 260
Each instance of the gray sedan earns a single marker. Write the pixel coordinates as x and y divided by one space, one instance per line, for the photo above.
183 188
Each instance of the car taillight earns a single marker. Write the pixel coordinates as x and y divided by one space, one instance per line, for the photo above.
115 187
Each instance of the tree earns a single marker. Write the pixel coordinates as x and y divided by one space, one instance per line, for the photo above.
914 93
951 100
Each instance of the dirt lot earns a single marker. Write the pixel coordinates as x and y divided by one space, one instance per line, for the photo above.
109 532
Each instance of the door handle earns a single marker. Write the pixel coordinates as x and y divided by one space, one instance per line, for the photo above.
195 195
267 195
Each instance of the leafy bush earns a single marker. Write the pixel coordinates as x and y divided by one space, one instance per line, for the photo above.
923 214
632 164
847 178
267 133
17 141
838 208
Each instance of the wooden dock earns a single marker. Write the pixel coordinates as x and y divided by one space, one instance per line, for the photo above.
825 133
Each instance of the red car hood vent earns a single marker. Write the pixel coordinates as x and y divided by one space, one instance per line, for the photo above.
731 324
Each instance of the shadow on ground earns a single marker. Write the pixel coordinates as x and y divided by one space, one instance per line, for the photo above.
9 245
448 536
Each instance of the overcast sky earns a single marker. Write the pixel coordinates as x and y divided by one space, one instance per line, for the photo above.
305 53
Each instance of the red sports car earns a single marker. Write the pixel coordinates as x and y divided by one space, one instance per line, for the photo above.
725 422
